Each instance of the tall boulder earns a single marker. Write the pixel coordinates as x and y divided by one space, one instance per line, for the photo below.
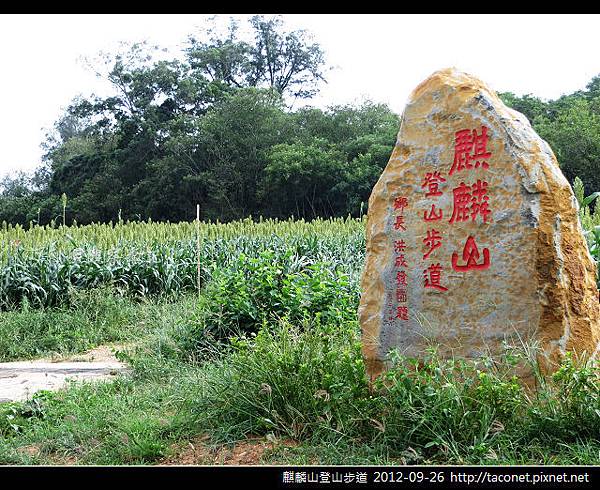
473 236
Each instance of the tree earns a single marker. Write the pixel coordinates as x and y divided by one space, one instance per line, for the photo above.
345 148
236 136
284 61
212 129
19 198
299 178
571 125
528 105
223 58
574 135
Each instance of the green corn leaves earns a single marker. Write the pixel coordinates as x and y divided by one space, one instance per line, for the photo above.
43 264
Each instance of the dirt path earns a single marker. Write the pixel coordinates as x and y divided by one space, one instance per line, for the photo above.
249 452
19 380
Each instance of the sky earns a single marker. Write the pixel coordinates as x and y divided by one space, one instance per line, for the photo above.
380 57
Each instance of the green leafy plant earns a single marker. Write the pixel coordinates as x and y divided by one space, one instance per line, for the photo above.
589 221
569 407
256 290
43 264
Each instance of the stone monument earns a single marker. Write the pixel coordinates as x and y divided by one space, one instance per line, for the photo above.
473 235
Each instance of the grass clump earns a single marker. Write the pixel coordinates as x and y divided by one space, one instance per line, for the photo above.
117 422
94 317
307 382
294 371
294 381
450 409
568 407
132 419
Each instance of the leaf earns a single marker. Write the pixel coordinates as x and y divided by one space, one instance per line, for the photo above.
589 199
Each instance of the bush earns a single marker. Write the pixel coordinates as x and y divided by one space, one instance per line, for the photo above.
569 406
307 382
259 290
453 407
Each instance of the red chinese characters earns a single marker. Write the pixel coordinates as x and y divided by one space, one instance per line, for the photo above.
401 261
433 276
402 312
470 256
470 147
432 182
470 201
433 214
400 203
399 223
433 238
401 278
479 201
399 246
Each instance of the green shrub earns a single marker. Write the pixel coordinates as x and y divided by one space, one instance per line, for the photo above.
569 405
307 382
262 289
590 221
453 407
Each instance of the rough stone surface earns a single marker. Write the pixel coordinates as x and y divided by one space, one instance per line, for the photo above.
525 271
19 380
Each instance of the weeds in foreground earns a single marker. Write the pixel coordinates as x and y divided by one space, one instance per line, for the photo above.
307 383
94 317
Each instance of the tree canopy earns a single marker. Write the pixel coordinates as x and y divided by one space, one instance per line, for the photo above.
212 127
215 126
571 126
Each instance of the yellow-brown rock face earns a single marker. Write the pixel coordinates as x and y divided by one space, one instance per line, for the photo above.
473 235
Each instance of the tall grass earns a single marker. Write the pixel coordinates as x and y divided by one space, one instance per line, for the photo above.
306 382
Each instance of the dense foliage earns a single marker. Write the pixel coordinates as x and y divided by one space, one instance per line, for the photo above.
270 348
213 126
297 390
41 266
571 125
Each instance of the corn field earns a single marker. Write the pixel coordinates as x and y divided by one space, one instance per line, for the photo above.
590 221
42 265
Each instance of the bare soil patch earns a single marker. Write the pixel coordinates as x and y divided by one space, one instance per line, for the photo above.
248 452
